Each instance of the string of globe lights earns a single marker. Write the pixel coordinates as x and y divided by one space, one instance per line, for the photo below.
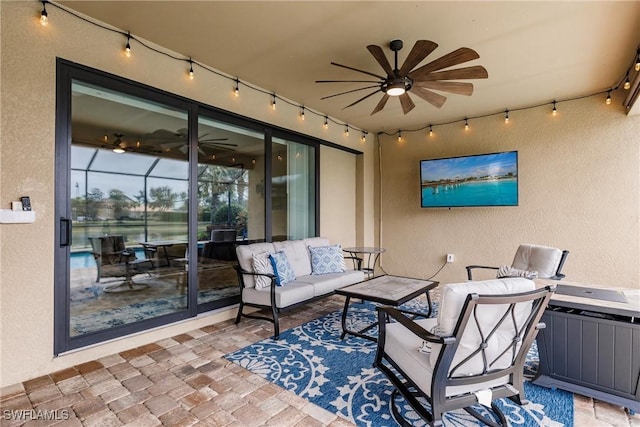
625 83
237 83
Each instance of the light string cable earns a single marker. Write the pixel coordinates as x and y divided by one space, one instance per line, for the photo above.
554 103
272 96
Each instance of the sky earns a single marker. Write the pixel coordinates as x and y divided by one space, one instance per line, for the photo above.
469 166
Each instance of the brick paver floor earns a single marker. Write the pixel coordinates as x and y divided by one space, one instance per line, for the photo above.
185 381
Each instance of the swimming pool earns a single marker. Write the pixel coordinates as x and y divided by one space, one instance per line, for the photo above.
84 259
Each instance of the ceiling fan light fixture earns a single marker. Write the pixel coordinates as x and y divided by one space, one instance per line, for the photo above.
118 150
395 89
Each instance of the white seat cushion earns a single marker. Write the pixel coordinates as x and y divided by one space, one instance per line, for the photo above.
290 294
401 345
327 283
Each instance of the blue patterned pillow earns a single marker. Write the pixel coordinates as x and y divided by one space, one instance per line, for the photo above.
281 268
326 259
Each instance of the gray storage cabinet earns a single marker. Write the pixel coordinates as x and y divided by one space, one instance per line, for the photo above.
593 353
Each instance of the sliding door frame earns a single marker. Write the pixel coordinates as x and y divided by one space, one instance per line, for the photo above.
66 73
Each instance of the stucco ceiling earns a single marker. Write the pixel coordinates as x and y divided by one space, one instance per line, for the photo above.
534 52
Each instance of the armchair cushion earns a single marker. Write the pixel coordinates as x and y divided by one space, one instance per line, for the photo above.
404 348
451 304
543 259
327 259
281 268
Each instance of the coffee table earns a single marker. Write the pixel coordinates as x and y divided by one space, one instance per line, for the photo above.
388 290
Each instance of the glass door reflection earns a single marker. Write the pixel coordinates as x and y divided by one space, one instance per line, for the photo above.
129 184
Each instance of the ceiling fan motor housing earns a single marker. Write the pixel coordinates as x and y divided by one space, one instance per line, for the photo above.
395 45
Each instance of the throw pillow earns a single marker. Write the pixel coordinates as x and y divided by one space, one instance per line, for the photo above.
281 268
262 265
326 259
508 271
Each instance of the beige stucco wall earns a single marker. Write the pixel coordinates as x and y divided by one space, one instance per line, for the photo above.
27 141
579 190
339 190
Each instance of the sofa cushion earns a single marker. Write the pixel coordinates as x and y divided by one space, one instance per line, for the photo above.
326 259
262 264
245 258
327 283
288 295
281 268
316 241
297 254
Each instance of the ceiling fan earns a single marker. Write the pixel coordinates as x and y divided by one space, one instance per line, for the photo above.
421 81
120 146
169 140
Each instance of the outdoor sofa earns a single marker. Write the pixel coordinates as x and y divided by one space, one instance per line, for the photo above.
317 269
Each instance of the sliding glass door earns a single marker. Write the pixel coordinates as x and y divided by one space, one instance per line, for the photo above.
128 191
230 209
154 193
293 191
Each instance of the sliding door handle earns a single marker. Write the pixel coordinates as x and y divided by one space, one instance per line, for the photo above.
65 232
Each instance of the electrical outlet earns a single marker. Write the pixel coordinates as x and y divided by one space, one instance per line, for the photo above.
451 257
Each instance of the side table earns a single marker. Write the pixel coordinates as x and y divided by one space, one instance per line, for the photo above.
372 253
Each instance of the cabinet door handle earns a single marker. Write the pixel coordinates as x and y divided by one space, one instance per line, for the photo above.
65 232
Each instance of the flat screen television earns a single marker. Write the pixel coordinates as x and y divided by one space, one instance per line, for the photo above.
476 180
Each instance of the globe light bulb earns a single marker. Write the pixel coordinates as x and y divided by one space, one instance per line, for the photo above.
44 17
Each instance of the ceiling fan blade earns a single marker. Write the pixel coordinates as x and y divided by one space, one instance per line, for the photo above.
451 87
360 71
379 55
475 72
432 98
172 144
418 52
362 99
217 144
346 81
381 104
349 91
212 139
458 56
406 102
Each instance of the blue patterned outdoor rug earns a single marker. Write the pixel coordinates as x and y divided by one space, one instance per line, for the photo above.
311 361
